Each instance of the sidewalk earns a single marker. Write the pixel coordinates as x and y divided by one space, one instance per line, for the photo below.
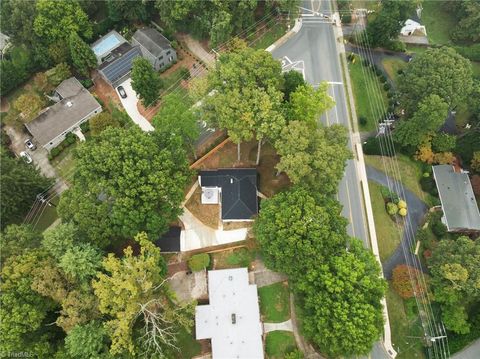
197 49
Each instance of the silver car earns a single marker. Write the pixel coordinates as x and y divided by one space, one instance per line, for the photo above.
26 157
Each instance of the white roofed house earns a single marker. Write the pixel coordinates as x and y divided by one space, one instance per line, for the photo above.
232 319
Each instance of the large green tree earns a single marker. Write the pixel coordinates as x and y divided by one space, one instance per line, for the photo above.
307 103
315 158
133 289
20 184
145 81
437 71
468 20
57 20
83 58
430 115
17 20
17 239
125 182
87 341
455 271
131 11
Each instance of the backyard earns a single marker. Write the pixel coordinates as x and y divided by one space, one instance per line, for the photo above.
392 65
366 86
275 302
278 343
438 22
389 233
234 258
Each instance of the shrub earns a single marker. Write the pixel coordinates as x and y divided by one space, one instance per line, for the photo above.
387 86
240 257
389 195
85 127
372 147
383 78
400 71
389 93
438 228
392 208
470 52
199 262
427 184
402 204
443 142
402 212
402 276
378 72
397 46
71 140
54 152
87 83
362 120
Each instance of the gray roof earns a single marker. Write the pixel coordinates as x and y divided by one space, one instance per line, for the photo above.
458 201
55 120
106 44
152 40
120 62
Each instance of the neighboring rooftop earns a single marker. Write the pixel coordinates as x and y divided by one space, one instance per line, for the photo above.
170 241
73 108
232 319
152 40
238 188
458 201
119 62
103 46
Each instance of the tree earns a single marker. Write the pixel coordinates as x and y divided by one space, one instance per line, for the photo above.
199 262
175 117
126 182
386 26
17 20
102 121
82 55
58 73
407 281
307 104
475 163
313 158
437 71
29 105
17 239
293 80
135 287
468 14
443 142
145 81
57 240
426 121
454 267
59 51
57 20
20 184
295 224
131 11
81 262
87 341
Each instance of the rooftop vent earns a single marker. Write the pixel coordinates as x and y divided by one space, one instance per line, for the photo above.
234 318
69 104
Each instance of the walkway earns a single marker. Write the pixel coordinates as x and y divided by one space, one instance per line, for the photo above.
265 276
470 352
416 213
130 105
197 49
285 326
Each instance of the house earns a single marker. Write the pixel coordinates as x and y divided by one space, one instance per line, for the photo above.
155 47
232 319
115 57
460 210
413 28
74 105
234 188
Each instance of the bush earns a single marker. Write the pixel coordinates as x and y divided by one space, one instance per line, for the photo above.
372 146
470 52
400 71
443 142
362 120
54 152
402 212
392 208
87 83
438 228
383 78
240 257
389 93
402 204
387 86
199 262
397 46
71 140
377 71
85 127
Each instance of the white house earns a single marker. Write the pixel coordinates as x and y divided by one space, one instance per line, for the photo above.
413 28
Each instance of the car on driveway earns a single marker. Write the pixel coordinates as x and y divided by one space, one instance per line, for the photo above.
122 92
26 157
30 145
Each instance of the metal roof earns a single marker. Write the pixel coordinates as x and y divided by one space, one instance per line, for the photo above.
458 200
232 319
239 191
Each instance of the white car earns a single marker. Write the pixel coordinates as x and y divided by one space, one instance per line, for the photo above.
26 157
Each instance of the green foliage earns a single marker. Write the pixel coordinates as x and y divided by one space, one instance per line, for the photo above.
58 73
16 239
126 182
373 146
101 122
57 20
82 55
389 195
437 71
427 119
199 262
292 80
313 158
468 26
29 105
19 185
145 81
307 104
87 341
444 142
17 20
81 262
17 69
274 302
467 145
57 240
241 257
471 52
438 228
392 208
129 11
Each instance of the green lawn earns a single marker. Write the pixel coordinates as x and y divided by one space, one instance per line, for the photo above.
389 233
64 163
392 65
275 302
412 49
367 91
405 324
410 171
189 346
279 343
269 37
438 22
47 215
476 68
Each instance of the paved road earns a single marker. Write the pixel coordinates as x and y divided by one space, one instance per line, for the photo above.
315 45
470 352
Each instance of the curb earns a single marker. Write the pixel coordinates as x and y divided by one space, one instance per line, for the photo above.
296 28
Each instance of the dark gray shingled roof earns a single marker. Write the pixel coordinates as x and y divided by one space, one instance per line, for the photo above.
152 40
458 201
121 62
239 191
58 118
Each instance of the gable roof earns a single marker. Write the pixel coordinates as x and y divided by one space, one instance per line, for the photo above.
239 191
119 62
458 201
72 109
232 319
152 40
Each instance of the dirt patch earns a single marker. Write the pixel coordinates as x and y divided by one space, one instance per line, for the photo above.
4 105
104 91
208 214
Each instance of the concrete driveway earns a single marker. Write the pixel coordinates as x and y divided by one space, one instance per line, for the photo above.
130 105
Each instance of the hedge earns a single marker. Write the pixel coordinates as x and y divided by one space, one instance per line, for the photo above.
199 262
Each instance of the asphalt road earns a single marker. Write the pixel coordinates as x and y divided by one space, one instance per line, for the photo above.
315 46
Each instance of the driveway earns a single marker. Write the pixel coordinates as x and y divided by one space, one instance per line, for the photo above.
130 105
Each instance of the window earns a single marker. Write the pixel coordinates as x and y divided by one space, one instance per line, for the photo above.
161 57
168 52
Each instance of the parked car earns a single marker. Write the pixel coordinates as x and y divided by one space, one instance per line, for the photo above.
26 157
122 92
30 145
